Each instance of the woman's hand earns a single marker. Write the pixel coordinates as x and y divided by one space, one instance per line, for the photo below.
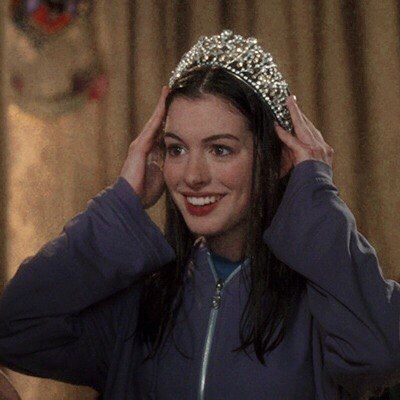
141 168
307 144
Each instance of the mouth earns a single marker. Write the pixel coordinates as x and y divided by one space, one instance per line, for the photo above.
202 209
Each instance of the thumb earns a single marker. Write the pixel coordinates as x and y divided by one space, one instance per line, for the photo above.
291 141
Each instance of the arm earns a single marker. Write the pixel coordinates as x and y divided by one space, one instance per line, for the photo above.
58 314
357 311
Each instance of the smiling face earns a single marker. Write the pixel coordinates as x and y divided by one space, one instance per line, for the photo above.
209 151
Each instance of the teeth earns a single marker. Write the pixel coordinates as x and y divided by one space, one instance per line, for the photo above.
200 201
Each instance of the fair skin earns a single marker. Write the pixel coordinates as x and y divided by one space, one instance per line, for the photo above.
197 163
192 171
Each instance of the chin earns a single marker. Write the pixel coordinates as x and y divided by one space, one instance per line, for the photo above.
204 229
202 226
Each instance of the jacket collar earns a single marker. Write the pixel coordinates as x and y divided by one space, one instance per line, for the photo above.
201 255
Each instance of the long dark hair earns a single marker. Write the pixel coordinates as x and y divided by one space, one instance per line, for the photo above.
162 294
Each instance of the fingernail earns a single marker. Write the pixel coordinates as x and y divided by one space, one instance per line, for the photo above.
295 98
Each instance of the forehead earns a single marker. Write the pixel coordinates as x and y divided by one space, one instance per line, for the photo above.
203 117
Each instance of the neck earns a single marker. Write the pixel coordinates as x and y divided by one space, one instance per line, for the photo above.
230 245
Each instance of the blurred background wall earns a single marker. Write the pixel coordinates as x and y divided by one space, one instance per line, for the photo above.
340 58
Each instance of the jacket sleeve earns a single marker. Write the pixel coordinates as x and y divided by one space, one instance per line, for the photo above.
356 310
59 313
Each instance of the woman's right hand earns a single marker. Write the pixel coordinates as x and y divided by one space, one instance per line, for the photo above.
144 175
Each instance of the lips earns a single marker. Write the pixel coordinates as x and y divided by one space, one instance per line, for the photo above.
201 210
218 197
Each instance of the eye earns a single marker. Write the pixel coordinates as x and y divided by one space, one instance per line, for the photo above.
226 148
170 150
175 150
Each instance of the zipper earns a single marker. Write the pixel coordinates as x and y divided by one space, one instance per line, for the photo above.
216 301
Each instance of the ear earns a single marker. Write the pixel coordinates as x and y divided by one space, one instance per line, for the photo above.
286 161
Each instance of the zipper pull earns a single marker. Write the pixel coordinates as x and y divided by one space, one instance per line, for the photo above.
217 296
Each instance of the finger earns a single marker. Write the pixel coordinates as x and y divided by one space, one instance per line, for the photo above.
156 119
147 139
317 134
295 114
160 108
291 141
301 128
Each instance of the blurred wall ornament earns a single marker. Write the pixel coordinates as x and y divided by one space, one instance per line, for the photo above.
54 66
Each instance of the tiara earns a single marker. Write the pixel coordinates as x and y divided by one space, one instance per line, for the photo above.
246 60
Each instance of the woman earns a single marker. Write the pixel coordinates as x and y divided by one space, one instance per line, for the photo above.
268 293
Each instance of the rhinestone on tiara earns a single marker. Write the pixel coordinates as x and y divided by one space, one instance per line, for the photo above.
246 60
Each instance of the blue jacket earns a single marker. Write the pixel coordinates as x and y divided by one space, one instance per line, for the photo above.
69 313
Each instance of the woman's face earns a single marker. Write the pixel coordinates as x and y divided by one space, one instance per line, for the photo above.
209 152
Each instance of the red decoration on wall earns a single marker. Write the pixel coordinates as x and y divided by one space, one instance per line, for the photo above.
48 21
54 66
46 17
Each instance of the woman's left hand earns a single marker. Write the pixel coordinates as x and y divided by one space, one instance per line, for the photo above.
307 144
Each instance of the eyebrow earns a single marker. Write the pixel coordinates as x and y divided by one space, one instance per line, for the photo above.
205 140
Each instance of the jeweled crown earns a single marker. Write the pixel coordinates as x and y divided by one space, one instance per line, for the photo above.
247 61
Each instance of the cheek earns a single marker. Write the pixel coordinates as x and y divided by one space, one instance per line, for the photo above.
243 188
171 174
238 176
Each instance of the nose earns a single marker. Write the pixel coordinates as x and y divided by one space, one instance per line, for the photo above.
197 171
